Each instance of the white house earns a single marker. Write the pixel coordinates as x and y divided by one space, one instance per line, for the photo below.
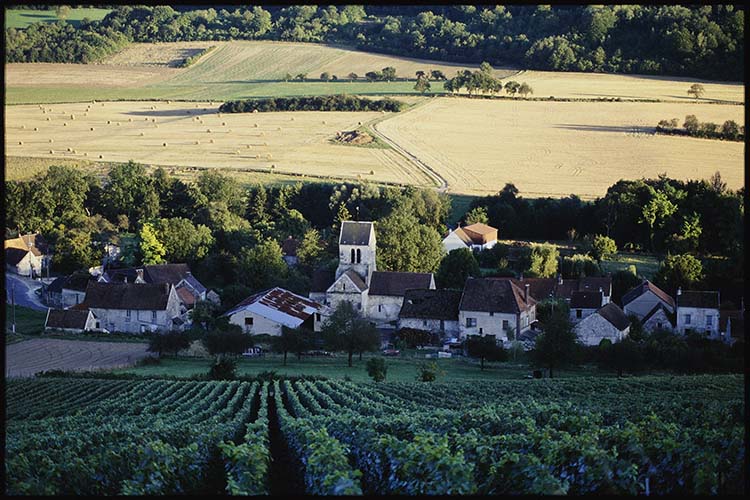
584 304
495 307
268 311
609 322
385 295
27 255
67 291
698 312
474 237
134 307
642 299
71 320
435 311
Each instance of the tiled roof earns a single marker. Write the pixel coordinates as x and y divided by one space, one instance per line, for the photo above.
77 281
120 275
185 295
165 273
279 305
321 280
612 313
67 318
642 288
694 298
586 300
480 228
463 236
141 296
396 284
30 242
356 279
355 233
493 295
14 255
431 304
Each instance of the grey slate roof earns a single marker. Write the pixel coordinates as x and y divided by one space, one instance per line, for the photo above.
642 288
694 298
396 284
494 295
612 313
431 304
654 310
586 300
356 279
141 296
67 318
355 233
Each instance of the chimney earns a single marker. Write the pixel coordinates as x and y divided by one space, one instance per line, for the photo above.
679 291
559 279
526 293
139 272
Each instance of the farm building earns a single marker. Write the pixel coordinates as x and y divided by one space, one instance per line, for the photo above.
658 318
189 289
609 322
698 312
435 311
642 299
67 291
71 320
27 255
474 237
134 307
378 295
268 311
584 304
495 307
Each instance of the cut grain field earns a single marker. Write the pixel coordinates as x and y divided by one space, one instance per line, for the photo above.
196 135
559 148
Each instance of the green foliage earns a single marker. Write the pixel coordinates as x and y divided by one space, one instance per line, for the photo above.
223 368
414 338
346 330
603 247
458 265
622 282
317 103
543 260
428 371
485 348
579 266
152 249
130 192
169 342
682 270
696 90
377 369
405 245
296 340
227 341
556 346
261 266
476 215
182 241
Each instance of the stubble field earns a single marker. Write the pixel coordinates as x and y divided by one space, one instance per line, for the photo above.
281 143
559 148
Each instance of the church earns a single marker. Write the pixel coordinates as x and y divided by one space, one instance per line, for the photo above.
377 295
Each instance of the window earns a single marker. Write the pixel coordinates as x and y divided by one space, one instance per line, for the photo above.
317 316
480 331
359 306
153 316
380 308
471 322
127 315
424 322
359 256
709 320
658 324
505 324
249 321
353 256
492 313
687 319
578 313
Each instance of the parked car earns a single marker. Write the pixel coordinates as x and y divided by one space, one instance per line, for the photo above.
254 352
391 352
317 352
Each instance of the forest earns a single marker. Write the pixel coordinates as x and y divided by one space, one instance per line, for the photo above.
705 41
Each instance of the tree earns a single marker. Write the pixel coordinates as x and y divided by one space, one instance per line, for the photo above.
681 270
428 371
301 77
227 339
73 250
603 247
325 76
152 249
345 330
556 346
691 124
512 87
183 242
730 129
456 267
485 347
406 245
169 342
413 338
62 11
296 340
130 191
543 260
655 212
422 85
436 74
696 90
377 369
261 266
352 76
389 73
525 89
288 77
311 248
622 356
223 368
622 282
476 215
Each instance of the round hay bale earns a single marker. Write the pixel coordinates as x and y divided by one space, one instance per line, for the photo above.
262 134
255 111
273 165
359 123
208 130
130 119
92 129
372 172
278 128
101 156
142 134
36 129
265 144
153 107
269 156
153 120
74 151
23 126
292 119
65 124
169 102
20 143
70 149
109 122
324 122
248 146
118 124
197 142
51 151
164 144
146 119
223 124
85 154
255 125
72 117
51 141
85 114
211 141
48 119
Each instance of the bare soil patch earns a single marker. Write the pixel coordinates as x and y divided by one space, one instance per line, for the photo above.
353 137
24 359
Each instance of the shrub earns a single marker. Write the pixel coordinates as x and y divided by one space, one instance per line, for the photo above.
223 368
377 369
428 371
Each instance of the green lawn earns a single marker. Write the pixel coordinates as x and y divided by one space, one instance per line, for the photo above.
28 321
399 369
645 265
21 18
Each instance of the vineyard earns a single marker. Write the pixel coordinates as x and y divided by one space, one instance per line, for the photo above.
646 435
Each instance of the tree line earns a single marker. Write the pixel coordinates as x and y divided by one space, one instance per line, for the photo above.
700 41
730 130
316 103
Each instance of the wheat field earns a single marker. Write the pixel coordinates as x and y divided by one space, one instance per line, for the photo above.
559 148
177 134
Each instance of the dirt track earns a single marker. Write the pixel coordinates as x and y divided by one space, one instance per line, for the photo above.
26 358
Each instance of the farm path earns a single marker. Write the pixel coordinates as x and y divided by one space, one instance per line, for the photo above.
24 359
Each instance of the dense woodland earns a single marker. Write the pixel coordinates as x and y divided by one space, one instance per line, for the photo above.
232 235
699 41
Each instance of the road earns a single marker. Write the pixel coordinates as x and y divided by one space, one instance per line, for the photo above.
24 290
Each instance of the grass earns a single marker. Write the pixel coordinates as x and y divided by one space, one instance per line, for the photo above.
28 321
646 265
399 369
21 18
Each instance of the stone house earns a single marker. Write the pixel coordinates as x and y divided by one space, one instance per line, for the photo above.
642 299
474 237
134 307
559 288
27 255
658 318
609 322
435 311
67 291
377 295
493 307
584 304
698 312
70 320
268 311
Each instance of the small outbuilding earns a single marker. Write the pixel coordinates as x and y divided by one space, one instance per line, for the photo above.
608 322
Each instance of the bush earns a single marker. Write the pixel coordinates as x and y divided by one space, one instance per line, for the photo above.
377 369
231 341
148 361
223 368
428 371
169 342
316 103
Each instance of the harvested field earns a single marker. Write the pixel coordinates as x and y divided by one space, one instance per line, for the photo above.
559 148
82 76
157 54
24 359
300 146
